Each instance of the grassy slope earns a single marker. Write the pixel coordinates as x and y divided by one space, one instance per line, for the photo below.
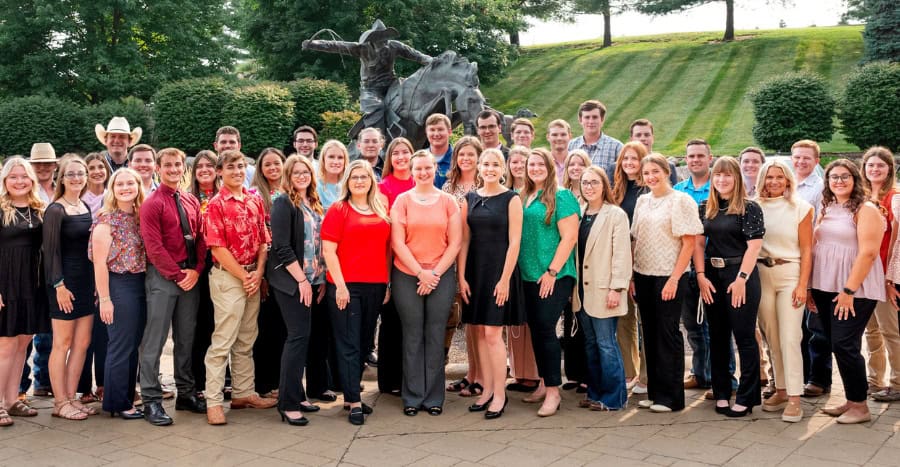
689 85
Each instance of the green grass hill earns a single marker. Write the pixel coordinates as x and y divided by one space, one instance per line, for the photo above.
689 85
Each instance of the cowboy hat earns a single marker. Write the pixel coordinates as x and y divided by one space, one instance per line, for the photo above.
378 33
118 125
42 152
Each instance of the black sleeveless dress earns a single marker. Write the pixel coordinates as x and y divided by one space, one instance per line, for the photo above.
66 239
488 220
21 279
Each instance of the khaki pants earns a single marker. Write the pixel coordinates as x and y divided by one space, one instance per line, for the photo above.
883 341
627 336
781 323
235 332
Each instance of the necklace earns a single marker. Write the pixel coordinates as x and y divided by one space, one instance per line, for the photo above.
367 209
655 201
74 205
423 198
26 219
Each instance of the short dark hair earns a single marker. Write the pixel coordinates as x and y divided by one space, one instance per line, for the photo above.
228 157
228 130
639 122
489 113
142 148
699 142
307 129
592 104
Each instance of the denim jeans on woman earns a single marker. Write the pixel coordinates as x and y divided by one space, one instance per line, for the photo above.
605 368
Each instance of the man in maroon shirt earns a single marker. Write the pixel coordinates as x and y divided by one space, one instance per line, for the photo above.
170 225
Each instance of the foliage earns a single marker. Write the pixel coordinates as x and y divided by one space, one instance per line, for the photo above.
187 113
133 109
107 49
607 8
336 125
312 97
791 107
264 114
868 106
29 120
882 33
475 29
663 7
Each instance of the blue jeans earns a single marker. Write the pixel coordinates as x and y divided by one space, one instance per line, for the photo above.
606 371
818 361
40 350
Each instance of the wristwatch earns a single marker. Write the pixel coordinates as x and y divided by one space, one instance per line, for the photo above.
849 291
743 275
552 272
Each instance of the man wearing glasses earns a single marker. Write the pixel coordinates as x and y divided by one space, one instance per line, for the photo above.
488 127
306 140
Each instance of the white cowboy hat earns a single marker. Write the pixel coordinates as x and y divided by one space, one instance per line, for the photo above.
43 152
118 125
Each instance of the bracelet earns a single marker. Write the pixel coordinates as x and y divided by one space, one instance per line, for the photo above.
105 299
304 280
434 273
701 272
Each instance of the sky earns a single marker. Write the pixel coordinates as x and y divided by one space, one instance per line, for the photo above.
749 14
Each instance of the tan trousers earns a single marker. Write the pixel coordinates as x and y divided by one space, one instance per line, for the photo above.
883 341
781 322
627 336
234 334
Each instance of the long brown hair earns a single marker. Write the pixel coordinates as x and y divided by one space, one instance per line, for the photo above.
287 186
214 160
455 172
620 178
885 155
388 155
738 202
262 184
548 197
857 196
606 192
60 189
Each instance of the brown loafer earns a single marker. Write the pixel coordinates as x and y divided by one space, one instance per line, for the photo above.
215 415
836 411
691 382
253 402
814 390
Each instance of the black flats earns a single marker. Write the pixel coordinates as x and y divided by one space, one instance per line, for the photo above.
356 417
365 408
738 413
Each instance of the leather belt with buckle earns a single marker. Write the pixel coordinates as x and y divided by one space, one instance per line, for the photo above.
770 262
720 263
246 267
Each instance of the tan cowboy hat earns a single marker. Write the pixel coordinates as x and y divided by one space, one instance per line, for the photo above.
43 152
378 32
118 125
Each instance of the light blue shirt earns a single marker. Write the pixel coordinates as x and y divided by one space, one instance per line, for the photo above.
811 191
698 194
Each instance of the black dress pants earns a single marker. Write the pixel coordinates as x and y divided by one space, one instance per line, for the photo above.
543 315
268 346
390 349
353 328
663 341
296 317
846 340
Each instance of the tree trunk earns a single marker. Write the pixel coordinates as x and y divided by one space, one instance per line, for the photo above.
514 38
607 34
729 20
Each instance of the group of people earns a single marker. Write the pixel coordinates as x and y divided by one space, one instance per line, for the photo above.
275 278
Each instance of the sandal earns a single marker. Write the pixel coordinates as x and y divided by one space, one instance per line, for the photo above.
5 419
436 410
88 398
84 408
21 409
99 393
474 389
458 385
65 409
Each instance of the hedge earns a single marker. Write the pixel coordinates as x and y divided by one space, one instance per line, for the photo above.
263 113
133 109
868 106
792 107
313 97
336 125
34 119
188 113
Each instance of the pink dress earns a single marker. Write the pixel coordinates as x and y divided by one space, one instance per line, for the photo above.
835 250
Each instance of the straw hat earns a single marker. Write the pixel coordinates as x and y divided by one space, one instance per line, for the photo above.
118 125
43 152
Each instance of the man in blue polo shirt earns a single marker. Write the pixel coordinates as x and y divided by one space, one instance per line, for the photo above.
437 130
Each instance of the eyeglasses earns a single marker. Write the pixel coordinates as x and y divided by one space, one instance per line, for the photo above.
487 127
591 184
305 173
74 175
359 178
305 141
840 178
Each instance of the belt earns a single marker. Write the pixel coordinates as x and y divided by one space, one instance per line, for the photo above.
770 262
246 267
720 263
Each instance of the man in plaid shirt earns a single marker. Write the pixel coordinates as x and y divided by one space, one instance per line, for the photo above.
603 149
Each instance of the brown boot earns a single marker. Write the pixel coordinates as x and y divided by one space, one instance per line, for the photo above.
253 402
215 415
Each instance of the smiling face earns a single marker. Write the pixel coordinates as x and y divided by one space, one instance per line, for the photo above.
575 168
591 186
750 164
359 182
171 170
654 177
724 183
517 163
272 168
369 145
491 168
301 177
423 170
697 159
631 164
97 174
537 170
44 171
438 135
804 160
840 181
205 173
523 136
489 132
467 158
226 142
117 145
400 158
775 182
877 170
74 176
334 161
142 162
125 188
305 144
233 173
17 183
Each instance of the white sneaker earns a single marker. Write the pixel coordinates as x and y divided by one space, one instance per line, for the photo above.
659 408
639 389
645 404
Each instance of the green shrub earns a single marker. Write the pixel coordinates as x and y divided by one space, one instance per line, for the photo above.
264 114
868 107
37 119
188 113
313 97
336 125
792 107
133 109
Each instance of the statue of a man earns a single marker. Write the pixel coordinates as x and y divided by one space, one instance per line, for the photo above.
377 54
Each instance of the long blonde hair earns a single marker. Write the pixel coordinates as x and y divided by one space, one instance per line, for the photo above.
372 197
620 178
111 205
548 197
34 201
287 186
738 202
333 143
568 183
60 189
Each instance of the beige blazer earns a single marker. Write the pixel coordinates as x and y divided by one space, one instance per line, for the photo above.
607 263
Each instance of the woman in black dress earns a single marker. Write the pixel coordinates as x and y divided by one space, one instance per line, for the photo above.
70 285
488 277
23 303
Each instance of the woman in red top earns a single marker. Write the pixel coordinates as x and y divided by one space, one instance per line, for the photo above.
396 176
356 244
882 333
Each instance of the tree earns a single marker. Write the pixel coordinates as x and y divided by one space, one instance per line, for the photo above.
663 7
604 7
791 107
882 33
475 29
559 10
868 106
108 49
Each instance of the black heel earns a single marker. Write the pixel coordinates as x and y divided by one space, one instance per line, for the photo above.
490 414
302 421
476 407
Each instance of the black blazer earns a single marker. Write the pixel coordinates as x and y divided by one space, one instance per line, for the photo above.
287 244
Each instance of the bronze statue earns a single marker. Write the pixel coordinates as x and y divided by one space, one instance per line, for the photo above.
445 84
